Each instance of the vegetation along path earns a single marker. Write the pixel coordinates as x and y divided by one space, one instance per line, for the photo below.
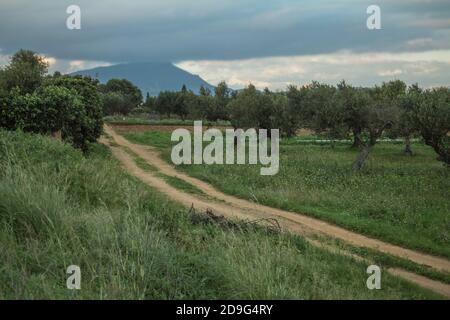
233 207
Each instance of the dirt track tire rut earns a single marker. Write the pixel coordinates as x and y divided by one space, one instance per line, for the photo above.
233 207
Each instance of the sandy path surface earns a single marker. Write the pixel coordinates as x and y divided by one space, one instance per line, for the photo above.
233 207
314 225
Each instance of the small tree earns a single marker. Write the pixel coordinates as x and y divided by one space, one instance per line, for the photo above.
431 116
25 71
149 103
116 103
353 104
284 117
380 114
181 107
166 103
297 106
406 127
252 109
324 111
85 123
126 88
217 108
201 107
124 96
204 91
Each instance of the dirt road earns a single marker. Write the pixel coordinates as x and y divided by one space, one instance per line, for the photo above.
233 207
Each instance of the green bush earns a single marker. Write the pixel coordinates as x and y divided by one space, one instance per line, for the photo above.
43 111
85 122
34 103
49 109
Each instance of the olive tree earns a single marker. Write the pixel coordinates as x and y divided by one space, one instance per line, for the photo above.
431 116
165 103
320 108
284 117
379 114
353 105
325 111
202 107
222 98
405 127
252 109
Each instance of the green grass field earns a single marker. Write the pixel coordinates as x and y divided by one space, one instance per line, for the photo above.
59 208
400 199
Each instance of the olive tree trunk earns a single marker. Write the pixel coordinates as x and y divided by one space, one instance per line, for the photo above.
357 142
442 151
57 135
362 157
408 150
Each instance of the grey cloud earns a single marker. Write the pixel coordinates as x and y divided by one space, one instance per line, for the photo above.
175 30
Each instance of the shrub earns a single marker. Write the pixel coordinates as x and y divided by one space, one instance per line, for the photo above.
43 111
84 122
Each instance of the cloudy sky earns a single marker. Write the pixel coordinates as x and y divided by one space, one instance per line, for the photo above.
269 43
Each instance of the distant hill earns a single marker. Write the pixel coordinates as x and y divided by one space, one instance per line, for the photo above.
151 77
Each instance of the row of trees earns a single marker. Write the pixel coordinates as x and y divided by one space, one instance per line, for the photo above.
337 112
186 104
36 102
32 101
366 114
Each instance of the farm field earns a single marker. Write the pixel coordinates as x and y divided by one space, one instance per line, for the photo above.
402 200
304 165
132 242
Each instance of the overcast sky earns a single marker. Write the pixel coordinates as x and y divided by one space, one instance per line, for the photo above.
267 42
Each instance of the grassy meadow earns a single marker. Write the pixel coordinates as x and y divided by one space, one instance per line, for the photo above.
59 207
400 199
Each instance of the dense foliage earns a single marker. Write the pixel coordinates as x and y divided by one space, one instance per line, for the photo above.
26 71
120 96
366 115
431 117
42 104
83 123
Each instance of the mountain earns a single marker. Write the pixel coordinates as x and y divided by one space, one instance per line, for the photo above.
151 77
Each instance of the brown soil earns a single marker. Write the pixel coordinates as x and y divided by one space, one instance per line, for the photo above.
233 207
